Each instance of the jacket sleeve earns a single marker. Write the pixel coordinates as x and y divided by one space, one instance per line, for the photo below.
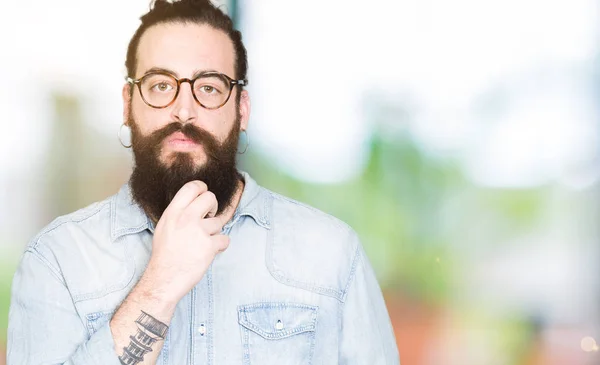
43 325
367 336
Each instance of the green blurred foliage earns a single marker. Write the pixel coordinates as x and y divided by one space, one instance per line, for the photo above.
8 265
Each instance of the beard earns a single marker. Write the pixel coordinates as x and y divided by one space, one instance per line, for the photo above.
154 183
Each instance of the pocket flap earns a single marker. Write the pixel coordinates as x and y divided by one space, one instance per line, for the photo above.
96 320
278 320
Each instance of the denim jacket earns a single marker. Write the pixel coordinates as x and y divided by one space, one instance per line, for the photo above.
294 287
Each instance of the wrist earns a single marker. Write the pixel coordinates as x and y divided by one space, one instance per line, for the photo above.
156 295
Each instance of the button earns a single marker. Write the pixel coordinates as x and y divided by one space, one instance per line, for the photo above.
202 330
278 325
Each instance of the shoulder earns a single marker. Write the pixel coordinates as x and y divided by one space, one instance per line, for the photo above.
65 231
310 248
300 214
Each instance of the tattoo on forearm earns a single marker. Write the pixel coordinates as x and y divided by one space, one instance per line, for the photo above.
150 330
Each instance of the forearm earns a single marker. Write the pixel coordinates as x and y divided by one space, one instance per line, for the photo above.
140 325
185 242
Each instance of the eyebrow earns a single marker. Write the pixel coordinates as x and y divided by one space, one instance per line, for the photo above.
173 73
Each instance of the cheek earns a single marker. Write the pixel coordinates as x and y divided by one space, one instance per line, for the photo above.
217 122
148 119
227 121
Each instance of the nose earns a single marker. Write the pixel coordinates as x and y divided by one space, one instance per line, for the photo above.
184 109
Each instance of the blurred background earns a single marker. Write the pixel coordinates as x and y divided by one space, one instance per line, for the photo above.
459 138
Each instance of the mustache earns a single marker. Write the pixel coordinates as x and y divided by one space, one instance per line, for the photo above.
190 131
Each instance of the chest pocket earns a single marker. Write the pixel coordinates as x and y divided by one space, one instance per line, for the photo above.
277 333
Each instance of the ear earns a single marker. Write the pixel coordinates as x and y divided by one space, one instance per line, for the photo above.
126 102
244 110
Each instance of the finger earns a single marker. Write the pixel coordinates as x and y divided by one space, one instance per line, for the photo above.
185 196
204 205
212 226
221 242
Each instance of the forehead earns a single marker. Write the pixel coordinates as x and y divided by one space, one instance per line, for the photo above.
185 49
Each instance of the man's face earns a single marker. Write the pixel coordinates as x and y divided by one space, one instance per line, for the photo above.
184 50
183 141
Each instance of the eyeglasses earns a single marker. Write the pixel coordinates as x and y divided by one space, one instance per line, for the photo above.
210 89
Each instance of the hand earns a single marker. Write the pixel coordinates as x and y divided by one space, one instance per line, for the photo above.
186 240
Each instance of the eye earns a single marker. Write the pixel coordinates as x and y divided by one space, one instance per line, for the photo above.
208 89
162 87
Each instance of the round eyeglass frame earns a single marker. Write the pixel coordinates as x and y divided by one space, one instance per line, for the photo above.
232 84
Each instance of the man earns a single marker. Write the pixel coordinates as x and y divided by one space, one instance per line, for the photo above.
192 262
